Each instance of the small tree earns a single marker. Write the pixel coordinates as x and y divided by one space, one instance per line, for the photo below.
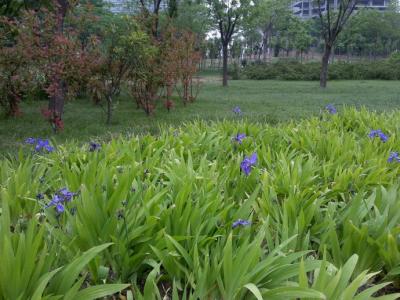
50 54
14 76
332 23
124 49
169 63
227 14
188 60
266 16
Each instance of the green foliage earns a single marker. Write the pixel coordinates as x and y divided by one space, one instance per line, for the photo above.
158 212
235 71
338 283
371 33
388 69
32 267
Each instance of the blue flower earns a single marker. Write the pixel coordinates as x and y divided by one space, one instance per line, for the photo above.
43 144
40 144
94 146
394 156
56 199
60 197
239 137
30 141
48 148
331 109
65 194
40 196
247 163
378 133
240 222
237 110
60 208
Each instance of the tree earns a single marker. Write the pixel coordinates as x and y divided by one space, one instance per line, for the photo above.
192 16
227 14
14 77
303 39
58 88
12 8
332 22
296 36
267 17
48 53
372 33
57 52
150 11
125 49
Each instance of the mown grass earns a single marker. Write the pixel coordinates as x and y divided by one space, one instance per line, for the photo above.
265 101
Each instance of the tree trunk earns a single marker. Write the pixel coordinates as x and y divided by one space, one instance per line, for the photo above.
225 65
265 44
56 102
109 109
14 99
276 51
324 67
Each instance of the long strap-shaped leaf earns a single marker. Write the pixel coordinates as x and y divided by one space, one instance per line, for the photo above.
66 278
95 292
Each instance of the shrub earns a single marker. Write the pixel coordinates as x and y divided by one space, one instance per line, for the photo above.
234 71
293 70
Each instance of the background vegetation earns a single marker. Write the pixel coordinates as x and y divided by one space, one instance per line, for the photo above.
387 69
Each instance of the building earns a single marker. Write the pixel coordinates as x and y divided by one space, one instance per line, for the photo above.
119 6
129 6
308 8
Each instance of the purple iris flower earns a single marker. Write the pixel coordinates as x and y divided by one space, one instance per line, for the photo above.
394 156
248 163
30 141
240 222
331 109
94 146
378 133
60 208
239 138
56 199
65 194
60 197
237 110
48 148
40 144
43 144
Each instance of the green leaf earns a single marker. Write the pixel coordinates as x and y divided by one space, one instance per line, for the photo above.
95 292
37 295
254 289
66 278
293 292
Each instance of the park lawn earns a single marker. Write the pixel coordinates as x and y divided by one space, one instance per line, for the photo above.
263 101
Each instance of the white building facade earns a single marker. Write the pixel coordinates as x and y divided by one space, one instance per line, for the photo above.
308 8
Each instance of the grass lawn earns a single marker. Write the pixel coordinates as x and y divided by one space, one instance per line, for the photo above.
264 101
